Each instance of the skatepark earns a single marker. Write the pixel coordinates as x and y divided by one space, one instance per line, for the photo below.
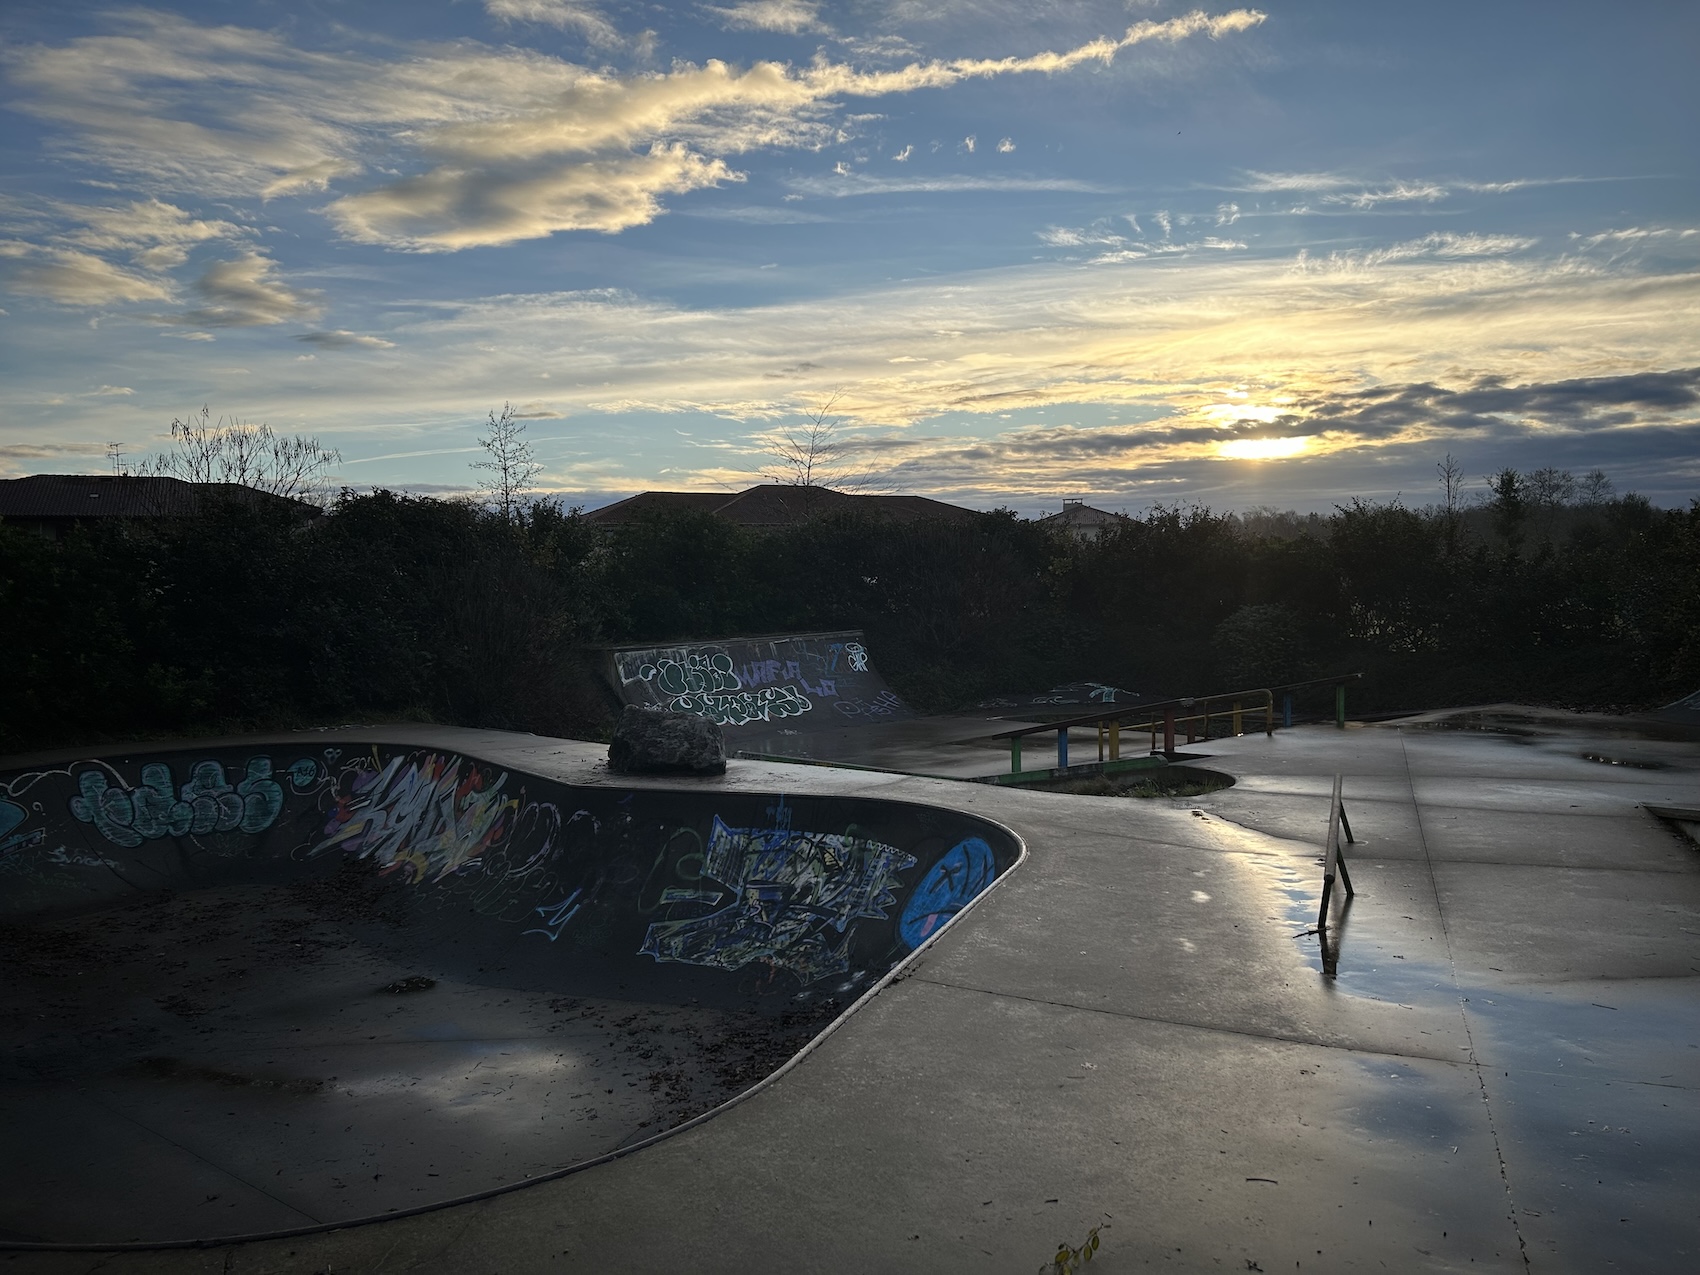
936 1025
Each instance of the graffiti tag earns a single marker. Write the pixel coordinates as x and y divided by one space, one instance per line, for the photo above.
797 896
155 808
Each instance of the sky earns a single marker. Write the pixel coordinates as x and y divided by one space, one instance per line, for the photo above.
1010 251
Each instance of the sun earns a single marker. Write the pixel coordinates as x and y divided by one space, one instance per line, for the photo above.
1264 448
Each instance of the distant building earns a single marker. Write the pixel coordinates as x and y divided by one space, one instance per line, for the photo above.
776 505
1082 521
50 504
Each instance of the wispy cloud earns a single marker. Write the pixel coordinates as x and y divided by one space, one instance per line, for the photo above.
73 277
580 18
343 340
787 17
505 144
839 185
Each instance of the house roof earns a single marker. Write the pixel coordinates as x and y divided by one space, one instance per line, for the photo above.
1075 514
778 505
117 496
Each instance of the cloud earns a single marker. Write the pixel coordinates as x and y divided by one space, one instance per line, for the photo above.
110 391
486 146
343 340
243 294
72 277
156 235
1005 145
787 17
841 184
584 20
443 210
1442 244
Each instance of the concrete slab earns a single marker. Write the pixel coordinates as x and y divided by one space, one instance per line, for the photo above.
1134 1030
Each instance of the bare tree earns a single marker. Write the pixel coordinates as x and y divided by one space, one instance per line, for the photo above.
815 454
1452 506
508 461
1595 488
252 456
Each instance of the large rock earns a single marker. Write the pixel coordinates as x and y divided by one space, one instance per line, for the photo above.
651 742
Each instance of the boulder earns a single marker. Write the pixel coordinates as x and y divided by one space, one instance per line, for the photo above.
650 741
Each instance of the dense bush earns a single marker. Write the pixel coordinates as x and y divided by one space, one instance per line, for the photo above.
392 606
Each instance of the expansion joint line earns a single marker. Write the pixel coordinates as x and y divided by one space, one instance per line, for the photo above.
1463 1013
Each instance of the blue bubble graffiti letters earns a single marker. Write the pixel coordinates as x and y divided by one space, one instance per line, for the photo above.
207 803
796 898
952 884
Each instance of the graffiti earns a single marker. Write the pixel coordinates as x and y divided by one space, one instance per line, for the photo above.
11 815
423 816
747 706
154 809
742 682
796 898
885 704
555 916
1103 694
951 885
697 674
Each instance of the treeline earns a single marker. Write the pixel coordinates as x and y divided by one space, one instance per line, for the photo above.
392 607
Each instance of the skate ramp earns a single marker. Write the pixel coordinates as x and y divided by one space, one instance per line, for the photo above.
269 989
757 685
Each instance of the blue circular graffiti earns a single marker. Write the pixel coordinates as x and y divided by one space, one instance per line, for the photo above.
960 874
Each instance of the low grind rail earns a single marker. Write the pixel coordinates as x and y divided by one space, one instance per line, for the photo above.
1192 713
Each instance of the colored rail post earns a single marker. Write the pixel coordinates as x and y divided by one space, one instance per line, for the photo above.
1062 748
1169 730
1015 754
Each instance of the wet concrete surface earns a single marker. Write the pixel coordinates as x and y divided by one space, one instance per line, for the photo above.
1133 1029
257 1058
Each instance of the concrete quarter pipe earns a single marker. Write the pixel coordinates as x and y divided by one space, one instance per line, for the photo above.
268 989
809 681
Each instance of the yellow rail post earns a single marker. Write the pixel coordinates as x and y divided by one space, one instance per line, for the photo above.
1238 721
1115 740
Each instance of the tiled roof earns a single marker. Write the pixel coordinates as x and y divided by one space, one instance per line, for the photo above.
778 505
1077 515
114 496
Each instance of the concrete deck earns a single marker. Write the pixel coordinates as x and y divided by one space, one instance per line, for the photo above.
1132 1029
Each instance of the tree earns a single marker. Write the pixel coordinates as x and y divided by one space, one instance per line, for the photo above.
1452 490
814 454
508 461
251 456
1509 502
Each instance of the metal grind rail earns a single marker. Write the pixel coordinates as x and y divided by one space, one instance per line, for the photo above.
1191 713
1334 864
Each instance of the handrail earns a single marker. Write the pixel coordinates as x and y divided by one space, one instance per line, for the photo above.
1180 701
1114 718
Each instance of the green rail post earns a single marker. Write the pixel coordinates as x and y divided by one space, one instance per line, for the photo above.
1015 754
1340 706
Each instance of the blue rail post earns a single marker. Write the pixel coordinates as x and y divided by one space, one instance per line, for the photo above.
1287 709
1062 748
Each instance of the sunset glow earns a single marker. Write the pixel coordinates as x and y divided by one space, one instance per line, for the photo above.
1018 251
1263 448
